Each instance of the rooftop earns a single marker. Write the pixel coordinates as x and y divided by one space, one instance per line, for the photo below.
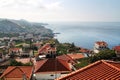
14 49
17 72
101 43
100 70
45 48
52 65
67 58
75 56
117 48
25 60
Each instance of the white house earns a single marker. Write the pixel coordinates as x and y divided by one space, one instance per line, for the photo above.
100 45
117 50
50 69
16 51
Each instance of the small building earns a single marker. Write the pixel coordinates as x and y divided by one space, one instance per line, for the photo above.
28 53
25 60
85 52
100 70
15 51
117 50
76 56
50 69
66 58
100 45
3 53
47 50
17 73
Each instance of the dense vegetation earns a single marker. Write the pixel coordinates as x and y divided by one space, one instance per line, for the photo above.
102 55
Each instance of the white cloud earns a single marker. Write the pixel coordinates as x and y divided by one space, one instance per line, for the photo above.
29 4
54 6
33 10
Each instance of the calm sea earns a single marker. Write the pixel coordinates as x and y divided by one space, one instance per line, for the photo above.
85 34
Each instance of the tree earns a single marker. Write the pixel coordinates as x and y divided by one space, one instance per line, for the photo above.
15 63
83 62
62 49
73 48
106 54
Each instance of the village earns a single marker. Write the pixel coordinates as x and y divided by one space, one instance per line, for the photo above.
47 59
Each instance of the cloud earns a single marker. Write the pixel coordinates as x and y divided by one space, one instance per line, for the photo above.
33 10
29 4
55 6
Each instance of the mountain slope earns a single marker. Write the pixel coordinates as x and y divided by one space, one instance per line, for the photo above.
18 26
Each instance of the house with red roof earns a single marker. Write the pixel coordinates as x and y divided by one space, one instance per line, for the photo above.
16 51
100 70
25 60
47 49
66 58
27 53
76 56
85 52
52 68
17 73
100 45
117 50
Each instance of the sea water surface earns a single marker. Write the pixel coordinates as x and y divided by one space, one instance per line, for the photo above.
85 34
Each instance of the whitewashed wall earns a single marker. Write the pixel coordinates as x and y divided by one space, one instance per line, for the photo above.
46 76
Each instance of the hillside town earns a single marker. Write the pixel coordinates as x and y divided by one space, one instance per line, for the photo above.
47 59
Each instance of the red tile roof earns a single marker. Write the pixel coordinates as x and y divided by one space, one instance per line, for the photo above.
100 70
66 58
17 72
101 43
25 60
76 56
83 50
43 48
14 49
117 48
52 65
47 47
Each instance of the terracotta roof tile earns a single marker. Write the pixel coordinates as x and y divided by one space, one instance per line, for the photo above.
101 43
52 65
83 50
76 56
117 48
15 49
100 70
17 72
66 58
45 48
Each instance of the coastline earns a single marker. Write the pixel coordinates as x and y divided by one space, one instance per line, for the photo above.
86 34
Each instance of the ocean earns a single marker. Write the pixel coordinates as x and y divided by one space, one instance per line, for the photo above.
85 34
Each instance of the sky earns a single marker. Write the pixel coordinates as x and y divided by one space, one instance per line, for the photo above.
61 10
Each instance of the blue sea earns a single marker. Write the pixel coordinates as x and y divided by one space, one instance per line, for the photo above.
85 34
